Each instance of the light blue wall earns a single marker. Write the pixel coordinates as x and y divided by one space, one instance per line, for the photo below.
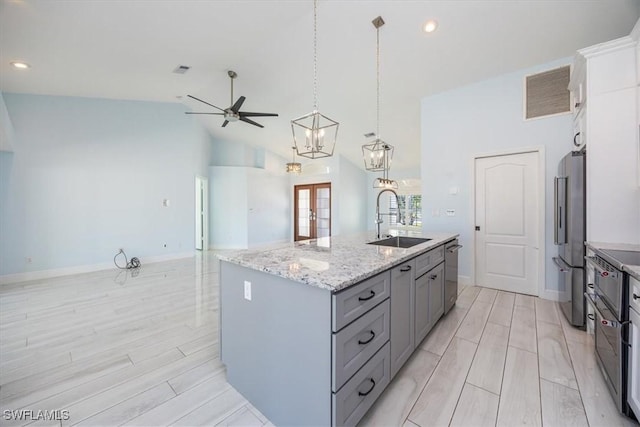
250 197
7 136
89 176
348 191
352 197
228 207
477 119
248 207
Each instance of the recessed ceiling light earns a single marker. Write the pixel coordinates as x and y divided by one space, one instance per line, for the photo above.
20 65
430 26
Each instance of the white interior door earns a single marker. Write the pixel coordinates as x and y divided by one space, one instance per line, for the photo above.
202 213
507 216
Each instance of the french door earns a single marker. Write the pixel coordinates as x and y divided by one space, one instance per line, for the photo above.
312 211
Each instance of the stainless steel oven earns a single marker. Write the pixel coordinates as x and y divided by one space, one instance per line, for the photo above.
609 315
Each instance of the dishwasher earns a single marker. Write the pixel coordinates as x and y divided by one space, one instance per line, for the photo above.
451 274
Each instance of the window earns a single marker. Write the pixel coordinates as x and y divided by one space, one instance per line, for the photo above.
408 214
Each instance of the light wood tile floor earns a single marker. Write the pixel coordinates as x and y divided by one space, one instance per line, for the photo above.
141 349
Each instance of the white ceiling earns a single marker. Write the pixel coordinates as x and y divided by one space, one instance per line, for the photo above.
128 50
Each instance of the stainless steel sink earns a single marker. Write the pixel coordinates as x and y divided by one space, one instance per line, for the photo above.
400 241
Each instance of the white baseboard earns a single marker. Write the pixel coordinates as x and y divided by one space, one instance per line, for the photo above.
549 294
464 281
552 295
66 271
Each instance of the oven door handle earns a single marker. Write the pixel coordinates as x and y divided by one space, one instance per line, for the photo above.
598 270
610 323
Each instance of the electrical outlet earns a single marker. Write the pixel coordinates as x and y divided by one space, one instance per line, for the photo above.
247 290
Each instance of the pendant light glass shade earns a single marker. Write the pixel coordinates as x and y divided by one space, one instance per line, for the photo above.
293 166
314 134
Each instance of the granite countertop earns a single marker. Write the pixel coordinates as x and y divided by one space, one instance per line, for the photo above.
332 263
633 270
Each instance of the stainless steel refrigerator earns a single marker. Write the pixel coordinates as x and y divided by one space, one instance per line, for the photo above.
570 234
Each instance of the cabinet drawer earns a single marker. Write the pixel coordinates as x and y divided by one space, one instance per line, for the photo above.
428 260
356 397
356 343
356 300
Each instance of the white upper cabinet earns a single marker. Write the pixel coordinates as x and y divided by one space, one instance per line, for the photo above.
605 91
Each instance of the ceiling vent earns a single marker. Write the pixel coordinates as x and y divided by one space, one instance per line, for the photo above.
546 93
181 69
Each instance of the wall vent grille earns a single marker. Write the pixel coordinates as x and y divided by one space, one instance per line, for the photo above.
547 93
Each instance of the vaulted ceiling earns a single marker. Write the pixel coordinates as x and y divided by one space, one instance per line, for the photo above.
129 49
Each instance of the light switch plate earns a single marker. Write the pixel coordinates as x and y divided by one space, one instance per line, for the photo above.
247 290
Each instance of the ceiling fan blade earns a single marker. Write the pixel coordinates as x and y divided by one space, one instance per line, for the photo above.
251 122
226 122
248 114
215 114
205 102
236 107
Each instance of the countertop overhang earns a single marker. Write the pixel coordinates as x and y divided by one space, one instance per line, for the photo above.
332 263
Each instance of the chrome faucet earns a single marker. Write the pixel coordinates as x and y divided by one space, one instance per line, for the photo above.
379 215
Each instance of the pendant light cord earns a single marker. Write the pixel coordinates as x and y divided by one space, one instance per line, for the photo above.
315 55
378 82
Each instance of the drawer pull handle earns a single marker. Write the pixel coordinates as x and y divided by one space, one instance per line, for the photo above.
373 385
590 285
373 335
591 316
434 277
635 297
371 295
407 268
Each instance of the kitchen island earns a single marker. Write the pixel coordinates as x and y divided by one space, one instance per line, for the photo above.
312 332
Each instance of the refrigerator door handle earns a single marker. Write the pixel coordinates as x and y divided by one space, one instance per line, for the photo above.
563 266
560 223
555 210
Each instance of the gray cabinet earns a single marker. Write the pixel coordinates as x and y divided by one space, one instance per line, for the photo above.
402 309
356 343
356 397
324 358
436 294
428 260
429 301
422 319
356 300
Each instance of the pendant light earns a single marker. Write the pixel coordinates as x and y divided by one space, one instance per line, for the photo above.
378 154
314 134
293 166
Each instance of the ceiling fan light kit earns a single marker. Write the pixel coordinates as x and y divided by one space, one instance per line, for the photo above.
314 134
233 113
377 155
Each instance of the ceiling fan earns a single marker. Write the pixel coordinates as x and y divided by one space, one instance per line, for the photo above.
233 113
